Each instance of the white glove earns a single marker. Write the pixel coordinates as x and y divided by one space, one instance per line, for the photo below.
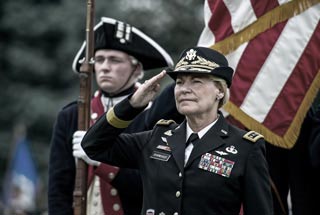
78 152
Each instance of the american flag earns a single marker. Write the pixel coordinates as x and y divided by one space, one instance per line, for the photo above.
274 47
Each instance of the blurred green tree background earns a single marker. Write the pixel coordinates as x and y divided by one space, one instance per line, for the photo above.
38 41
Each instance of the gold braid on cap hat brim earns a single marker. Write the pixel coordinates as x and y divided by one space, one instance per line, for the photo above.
199 64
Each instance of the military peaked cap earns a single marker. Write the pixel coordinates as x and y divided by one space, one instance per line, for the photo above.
201 60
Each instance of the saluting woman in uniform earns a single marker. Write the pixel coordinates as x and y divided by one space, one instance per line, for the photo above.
201 166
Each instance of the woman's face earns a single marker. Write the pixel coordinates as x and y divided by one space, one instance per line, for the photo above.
196 95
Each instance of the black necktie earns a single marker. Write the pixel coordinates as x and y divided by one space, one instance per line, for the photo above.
192 139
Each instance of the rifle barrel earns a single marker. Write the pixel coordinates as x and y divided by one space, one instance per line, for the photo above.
85 75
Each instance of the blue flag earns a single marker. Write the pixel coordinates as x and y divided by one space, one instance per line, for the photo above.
21 184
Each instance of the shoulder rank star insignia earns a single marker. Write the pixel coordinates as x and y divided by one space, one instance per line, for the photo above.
252 136
222 152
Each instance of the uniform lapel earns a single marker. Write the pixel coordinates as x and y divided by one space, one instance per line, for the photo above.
211 140
177 144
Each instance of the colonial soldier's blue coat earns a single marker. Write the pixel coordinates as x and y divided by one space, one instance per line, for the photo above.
226 168
127 181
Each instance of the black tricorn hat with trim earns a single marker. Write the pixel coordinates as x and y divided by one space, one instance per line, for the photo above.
201 60
114 34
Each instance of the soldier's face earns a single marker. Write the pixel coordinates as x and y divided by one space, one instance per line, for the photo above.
113 69
195 95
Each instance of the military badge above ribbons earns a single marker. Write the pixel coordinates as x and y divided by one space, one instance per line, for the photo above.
216 164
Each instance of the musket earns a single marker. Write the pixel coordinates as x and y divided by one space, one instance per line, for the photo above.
84 100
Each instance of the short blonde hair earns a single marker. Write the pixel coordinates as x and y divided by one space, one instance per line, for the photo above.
221 84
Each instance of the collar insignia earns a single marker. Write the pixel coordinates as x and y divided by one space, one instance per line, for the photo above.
168 133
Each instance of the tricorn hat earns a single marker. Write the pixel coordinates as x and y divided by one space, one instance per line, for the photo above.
113 34
201 60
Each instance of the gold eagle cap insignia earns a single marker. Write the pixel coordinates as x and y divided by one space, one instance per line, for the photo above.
253 136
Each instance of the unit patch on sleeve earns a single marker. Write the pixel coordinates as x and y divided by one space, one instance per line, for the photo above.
252 136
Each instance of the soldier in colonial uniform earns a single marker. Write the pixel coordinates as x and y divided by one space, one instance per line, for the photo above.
201 166
122 52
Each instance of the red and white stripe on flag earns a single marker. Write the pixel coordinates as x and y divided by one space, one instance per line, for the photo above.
274 47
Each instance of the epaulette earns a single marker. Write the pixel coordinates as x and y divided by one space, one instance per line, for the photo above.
252 136
165 122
